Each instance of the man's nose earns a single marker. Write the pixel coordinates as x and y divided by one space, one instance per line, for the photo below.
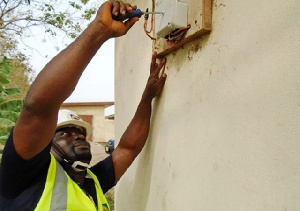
79 137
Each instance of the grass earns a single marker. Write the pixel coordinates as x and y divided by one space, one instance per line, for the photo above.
110 200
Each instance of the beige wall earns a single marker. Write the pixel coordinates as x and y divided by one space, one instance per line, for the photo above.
225 131
109 129
103 129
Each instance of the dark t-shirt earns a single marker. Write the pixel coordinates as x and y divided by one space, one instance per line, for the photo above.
22 181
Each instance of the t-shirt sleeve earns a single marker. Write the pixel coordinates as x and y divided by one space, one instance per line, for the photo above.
16 174
105 172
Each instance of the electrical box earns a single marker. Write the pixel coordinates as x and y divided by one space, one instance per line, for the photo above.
197 14
174 17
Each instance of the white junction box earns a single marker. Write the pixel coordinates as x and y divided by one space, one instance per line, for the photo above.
175 16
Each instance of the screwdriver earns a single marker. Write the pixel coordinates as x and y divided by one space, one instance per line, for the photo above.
135 13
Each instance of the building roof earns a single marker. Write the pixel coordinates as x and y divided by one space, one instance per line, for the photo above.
88 104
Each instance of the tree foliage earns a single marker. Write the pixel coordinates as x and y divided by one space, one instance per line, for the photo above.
9 107
18 16
14 84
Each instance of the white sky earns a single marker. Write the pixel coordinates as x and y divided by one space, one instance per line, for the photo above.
97 81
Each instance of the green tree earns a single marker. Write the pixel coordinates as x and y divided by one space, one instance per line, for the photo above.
20 76
9 108
18 16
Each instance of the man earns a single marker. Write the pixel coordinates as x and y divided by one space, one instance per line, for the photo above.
33 179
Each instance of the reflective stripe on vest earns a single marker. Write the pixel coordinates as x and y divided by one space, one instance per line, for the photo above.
62 193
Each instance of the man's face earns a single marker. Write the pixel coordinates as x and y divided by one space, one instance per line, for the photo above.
73 142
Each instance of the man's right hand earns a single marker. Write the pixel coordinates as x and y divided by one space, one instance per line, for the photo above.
115 28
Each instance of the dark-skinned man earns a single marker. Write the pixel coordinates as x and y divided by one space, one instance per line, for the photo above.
32 178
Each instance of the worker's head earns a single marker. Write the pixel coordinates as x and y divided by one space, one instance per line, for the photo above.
69 141
68 118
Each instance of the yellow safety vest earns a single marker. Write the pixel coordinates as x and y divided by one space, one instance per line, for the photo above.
62 193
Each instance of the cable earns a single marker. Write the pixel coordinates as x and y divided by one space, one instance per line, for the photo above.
146 17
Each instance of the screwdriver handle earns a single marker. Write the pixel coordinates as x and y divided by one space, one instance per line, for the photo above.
135 13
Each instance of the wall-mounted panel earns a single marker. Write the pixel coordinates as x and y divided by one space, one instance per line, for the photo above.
199 17
174 16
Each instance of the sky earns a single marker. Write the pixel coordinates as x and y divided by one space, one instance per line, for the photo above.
97 81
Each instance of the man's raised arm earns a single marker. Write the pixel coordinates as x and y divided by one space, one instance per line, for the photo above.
135 136
37 122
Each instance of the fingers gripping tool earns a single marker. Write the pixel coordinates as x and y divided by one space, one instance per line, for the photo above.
135 13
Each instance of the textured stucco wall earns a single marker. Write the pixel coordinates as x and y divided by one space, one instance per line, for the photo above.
225 131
